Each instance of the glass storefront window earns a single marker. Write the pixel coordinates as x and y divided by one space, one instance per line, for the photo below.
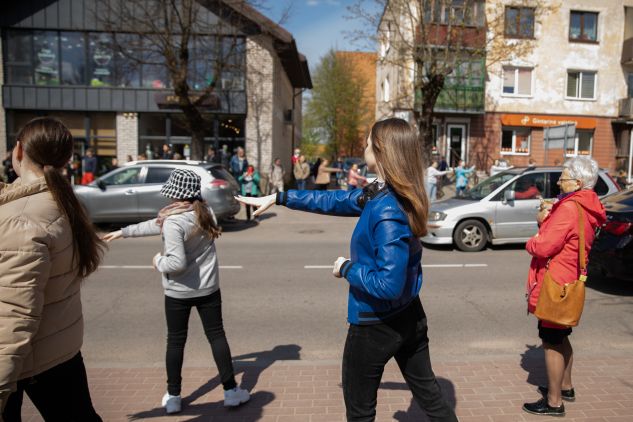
19 55
46 57
100 59
582 144
203 63
515 141
154 72
73 48
128 69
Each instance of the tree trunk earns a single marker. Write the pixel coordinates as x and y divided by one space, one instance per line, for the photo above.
430 92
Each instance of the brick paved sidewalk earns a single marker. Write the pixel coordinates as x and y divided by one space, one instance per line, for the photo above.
299 391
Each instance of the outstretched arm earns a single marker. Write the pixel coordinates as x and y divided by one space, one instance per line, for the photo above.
344 203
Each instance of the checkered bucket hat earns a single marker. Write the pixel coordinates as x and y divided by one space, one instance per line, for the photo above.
182 184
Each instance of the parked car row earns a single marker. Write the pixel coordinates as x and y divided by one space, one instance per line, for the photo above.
132 193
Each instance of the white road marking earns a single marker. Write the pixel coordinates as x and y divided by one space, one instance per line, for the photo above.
149 267
318 267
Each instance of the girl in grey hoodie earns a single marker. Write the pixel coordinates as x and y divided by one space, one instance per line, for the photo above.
189 269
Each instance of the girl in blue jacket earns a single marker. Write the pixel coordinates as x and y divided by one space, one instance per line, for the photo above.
384 271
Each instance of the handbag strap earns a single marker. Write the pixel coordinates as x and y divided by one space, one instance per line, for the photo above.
582 258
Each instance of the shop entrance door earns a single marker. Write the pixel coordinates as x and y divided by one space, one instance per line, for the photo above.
456 145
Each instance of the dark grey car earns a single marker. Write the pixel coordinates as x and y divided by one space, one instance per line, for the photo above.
132 193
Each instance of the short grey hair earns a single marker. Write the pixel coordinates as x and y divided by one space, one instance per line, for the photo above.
583 169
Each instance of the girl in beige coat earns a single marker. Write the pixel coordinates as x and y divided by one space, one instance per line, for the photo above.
48 246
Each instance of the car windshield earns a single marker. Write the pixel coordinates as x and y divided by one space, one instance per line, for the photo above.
488 186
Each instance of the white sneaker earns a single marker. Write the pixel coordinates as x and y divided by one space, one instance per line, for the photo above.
235 397
172 404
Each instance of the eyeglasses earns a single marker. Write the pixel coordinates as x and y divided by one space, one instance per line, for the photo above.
565 180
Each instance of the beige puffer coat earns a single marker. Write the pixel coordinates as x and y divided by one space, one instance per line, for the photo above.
41 323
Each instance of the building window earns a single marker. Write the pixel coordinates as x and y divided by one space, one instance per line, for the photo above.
629 84
46 49
386 91
19 54
515 141
517 81
583 26
100 59
582 144
519 22
581 85
128 68
455 12
73 53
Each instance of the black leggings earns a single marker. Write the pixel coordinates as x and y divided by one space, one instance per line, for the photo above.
210 310
60 394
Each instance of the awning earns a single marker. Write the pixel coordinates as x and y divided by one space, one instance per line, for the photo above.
536 120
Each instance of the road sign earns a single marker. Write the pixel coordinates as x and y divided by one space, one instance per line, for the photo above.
557 137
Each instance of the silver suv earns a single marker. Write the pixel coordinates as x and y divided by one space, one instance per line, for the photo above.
132 193
501 209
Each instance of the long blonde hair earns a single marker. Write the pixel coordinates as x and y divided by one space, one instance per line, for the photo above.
398 152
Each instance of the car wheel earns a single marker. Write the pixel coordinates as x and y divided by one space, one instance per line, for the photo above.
471 236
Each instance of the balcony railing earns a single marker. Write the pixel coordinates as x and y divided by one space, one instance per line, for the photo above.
457 99
626 107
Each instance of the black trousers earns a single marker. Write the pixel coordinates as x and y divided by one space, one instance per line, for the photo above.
177 312
368 349
60 394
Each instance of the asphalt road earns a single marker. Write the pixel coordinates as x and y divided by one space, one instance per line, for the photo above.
279 296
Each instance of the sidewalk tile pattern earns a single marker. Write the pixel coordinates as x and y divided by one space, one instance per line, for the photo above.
298 391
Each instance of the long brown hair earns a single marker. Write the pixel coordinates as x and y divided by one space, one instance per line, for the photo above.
399 154
206 222
49 144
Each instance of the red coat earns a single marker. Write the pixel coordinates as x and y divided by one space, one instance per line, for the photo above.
558 239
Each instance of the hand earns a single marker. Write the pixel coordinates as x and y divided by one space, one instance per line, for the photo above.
262 203
154 264
112 236
542 215
336 270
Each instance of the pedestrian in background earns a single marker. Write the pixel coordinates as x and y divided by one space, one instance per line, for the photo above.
432 173
386 317
498 166
249 183
301 172
189 269
49 247
340 175
322 179
461 178
89 167
167 153
555 248
295 156
239 163
354 179
277 174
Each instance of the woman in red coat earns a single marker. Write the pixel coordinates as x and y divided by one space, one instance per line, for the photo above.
557 243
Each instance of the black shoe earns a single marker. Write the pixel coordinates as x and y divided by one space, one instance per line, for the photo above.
567 395
543 408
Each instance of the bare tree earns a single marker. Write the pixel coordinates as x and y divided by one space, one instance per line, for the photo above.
430 42
198 46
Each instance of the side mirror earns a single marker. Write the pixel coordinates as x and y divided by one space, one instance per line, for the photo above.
508 195
101 184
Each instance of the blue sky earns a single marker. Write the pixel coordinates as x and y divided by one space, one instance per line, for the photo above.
317 25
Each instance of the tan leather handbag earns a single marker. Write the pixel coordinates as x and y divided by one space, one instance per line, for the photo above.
563 305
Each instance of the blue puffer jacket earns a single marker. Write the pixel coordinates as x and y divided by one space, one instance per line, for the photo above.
384 271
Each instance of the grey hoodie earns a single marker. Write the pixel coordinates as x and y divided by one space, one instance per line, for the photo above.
189 264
